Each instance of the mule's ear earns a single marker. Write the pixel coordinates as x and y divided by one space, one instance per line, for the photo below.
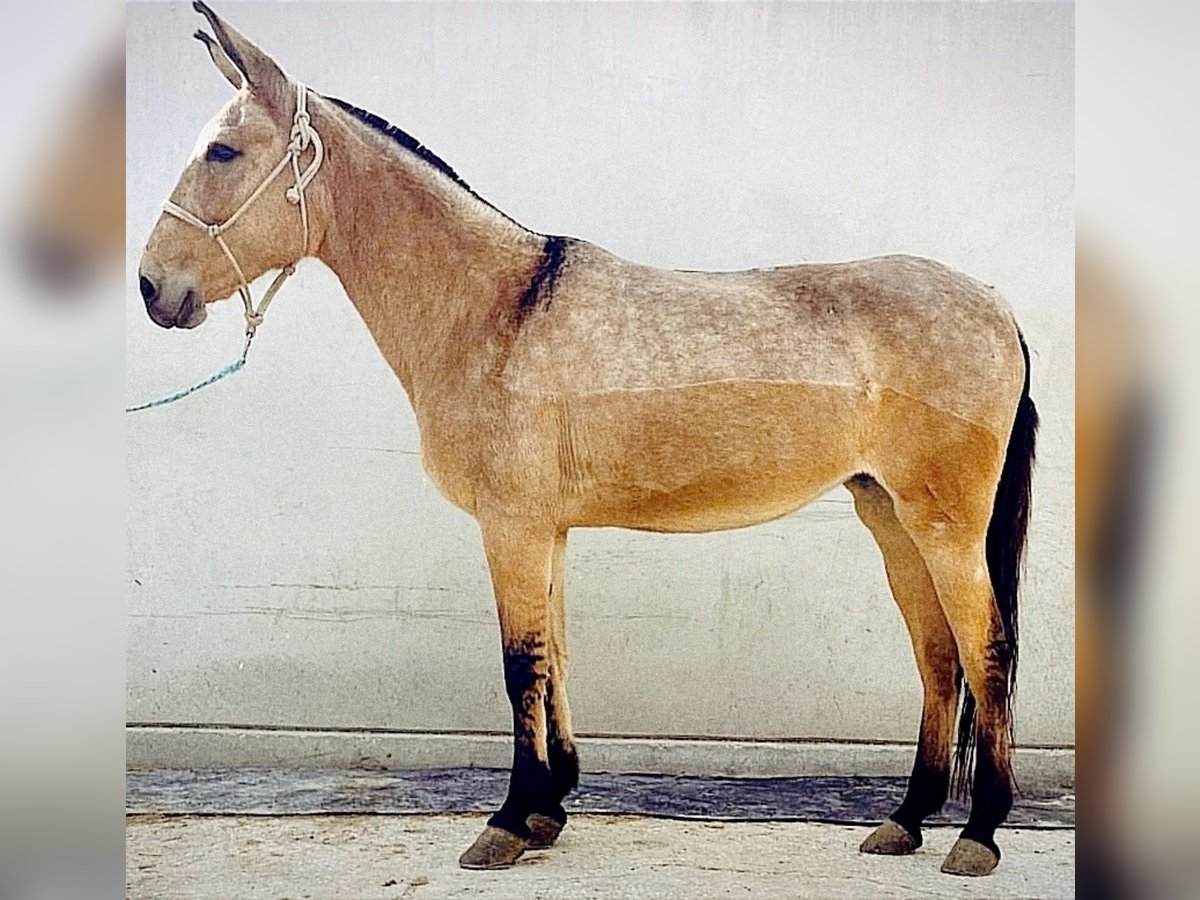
221 60
259 72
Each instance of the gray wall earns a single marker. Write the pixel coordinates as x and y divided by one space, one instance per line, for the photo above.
290 564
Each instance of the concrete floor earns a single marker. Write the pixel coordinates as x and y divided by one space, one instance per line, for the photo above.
415 856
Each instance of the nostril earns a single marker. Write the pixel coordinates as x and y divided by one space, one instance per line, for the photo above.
149 291
187 307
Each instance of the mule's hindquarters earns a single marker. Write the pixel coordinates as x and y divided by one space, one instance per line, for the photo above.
962 499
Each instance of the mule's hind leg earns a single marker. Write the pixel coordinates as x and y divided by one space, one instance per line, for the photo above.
951 539
937 663
546 824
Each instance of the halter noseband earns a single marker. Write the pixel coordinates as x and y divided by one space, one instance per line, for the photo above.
302 136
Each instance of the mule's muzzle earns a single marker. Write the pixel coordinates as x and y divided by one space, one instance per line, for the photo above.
171 302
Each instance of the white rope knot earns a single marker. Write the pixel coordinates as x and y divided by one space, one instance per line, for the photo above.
302 136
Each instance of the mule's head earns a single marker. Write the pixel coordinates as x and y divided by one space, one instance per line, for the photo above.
183 267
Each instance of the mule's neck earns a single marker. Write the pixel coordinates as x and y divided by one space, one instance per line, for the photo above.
429 266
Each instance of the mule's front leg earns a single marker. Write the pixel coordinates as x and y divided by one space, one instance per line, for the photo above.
520 558
547 823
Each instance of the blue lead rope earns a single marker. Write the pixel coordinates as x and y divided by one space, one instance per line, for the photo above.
225 372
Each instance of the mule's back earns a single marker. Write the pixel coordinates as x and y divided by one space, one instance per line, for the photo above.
896 323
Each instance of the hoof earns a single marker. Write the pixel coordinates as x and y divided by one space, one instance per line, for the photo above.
890 839
544 831
968 857
494 849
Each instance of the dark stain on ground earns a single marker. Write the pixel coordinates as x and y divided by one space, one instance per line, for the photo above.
269 792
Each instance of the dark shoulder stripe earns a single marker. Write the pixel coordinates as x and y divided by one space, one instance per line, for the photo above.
541 286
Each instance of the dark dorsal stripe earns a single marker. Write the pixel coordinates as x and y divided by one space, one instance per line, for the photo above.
541 286
410 143
401 137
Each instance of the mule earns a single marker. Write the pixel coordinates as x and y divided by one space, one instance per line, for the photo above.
557 386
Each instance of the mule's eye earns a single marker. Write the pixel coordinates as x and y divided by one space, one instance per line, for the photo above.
221 153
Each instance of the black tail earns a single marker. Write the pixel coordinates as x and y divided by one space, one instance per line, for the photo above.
1005 555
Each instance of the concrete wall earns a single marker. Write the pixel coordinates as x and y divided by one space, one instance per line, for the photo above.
290 564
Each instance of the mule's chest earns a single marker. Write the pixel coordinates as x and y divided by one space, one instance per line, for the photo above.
492 447
450 458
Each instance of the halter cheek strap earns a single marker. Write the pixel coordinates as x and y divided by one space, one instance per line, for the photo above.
303 135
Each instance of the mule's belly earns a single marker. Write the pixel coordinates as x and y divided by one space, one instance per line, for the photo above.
705 507
708 457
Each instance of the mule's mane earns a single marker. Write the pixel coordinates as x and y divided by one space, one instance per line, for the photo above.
410 143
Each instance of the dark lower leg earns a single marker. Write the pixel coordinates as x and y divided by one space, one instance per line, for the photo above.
563 759
991 798
976 853
929 783
560 744
531 786
991 790
928 786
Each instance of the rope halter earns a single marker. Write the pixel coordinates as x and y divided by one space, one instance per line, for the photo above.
302 136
